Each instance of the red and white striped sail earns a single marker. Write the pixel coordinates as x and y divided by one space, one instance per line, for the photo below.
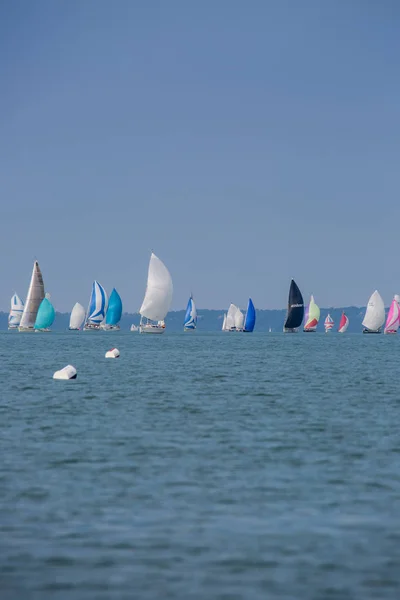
328 323
344 323
392 321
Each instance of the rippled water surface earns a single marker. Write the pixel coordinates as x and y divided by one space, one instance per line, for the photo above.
215 466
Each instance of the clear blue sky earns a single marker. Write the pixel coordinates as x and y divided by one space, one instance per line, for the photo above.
245 142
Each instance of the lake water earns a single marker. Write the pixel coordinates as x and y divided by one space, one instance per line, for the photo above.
200 466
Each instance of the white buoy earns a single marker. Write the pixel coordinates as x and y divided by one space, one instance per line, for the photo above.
113 353
68 372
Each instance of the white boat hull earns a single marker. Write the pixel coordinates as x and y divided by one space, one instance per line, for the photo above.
110 327
157 329
91 328
26 329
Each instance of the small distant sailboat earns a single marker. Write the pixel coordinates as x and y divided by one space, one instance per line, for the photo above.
374 315
77 317
295 312
312 316
45 315
114 312
33 299
190 322
250 318
393 318
329 323
224 328
134 327
157 299
98 304
344 323
17 308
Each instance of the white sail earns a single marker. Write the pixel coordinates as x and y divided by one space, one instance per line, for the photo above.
33 299
230 317
375 314
224 323
158 297
17 308
239 319
77 316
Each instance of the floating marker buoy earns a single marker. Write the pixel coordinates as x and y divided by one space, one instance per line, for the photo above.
68 372
113 353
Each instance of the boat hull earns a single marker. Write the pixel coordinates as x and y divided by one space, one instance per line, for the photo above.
287 330
365 330
46 330
73 329
110 327
154 329
91 328
313 330
390 332
26 329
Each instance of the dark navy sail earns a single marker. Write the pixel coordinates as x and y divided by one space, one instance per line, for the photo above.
295 312
250 319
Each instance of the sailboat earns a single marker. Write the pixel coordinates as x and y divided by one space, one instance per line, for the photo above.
134 327
344 323
295 312
45 315
312 316
157 299
224 323
97 309
392 322
17 308
33 299
114 312
374 316
77 317
230 318
250 318
329 323
239 320
190 322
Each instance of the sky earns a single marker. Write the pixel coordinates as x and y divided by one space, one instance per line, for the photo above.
245 143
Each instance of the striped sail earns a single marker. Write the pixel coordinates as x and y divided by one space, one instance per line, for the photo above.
97 305
45 315
33 299
392 321
344 323
17 308
191 315
114 310
328 323
312 316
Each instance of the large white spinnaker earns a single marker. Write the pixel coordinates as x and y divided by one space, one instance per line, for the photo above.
375 314
158 296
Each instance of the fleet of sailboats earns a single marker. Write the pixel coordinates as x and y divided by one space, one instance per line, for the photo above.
38 313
